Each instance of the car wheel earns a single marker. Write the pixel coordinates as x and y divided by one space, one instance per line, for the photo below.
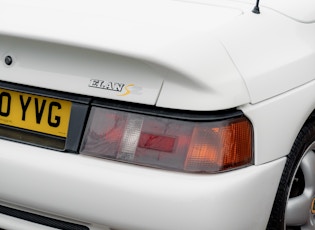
294 206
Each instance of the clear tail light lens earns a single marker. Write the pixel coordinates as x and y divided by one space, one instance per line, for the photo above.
168 143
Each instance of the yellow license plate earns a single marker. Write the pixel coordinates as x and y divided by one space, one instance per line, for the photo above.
37 113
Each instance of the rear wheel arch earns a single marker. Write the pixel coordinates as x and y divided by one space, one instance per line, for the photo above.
293 182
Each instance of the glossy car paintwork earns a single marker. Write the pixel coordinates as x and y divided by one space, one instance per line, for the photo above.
200 55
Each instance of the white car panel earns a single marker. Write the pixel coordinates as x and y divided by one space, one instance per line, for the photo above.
213 60
218 86
272 60
156 43
135 198
299 10
277 122
77 70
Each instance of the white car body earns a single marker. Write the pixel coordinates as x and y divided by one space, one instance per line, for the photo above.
197 55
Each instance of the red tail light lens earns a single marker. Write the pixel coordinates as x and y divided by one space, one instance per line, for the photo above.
168 143
157 142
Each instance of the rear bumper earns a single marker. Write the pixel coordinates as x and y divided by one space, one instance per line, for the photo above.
105 193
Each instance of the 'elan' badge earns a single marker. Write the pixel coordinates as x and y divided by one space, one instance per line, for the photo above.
107 85
121 88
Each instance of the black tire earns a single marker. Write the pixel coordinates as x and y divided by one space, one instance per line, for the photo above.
296 180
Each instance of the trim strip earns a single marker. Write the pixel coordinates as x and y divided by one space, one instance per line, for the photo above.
168 113
38 219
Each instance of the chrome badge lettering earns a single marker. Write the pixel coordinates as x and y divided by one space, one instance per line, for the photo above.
107 85
121 88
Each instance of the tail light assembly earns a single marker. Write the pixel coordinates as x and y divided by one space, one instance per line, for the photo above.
162 141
